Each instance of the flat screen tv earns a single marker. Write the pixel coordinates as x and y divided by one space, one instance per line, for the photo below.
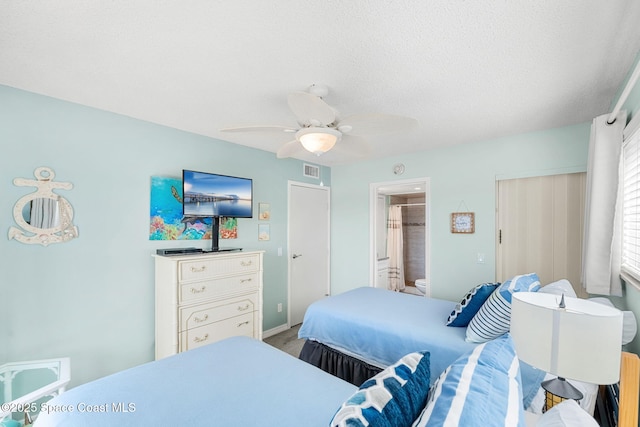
209 195
212 195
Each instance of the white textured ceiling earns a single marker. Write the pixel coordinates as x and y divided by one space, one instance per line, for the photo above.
466 70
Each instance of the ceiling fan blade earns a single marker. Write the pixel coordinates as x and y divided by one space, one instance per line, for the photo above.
260 129
353 146
289 149
374 124
311 110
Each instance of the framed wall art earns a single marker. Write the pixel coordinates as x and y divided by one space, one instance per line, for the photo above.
264 211
264 232
165 217
463 222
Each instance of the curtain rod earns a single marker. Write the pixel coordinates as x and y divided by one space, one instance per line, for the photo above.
409 204
625 93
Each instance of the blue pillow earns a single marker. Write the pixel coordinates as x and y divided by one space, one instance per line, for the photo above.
531 379
482 388
494 317
470 304
394 397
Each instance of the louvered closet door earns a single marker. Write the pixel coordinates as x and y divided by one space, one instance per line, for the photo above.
540 223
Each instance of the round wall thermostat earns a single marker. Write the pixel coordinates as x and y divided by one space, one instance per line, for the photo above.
398 169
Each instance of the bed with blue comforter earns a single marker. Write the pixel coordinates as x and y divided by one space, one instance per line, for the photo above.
356 334
241 381
236 382
379 326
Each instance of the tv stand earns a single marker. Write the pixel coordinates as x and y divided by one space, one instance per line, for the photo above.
215 238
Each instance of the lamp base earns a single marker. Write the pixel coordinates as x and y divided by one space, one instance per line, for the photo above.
557 390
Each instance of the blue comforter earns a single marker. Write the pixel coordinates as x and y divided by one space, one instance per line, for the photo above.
380 326
236 382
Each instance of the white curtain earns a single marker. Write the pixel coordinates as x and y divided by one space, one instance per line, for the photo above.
601 252
44 212
394 249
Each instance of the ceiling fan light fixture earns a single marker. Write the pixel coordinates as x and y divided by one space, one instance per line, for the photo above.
318 140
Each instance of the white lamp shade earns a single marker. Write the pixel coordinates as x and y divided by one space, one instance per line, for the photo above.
580 342
318 140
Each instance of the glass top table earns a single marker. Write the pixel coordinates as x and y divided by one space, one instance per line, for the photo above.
25 385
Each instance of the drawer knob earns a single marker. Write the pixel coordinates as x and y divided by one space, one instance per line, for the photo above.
203 339
201 319
243 323
198 270
246 263
197 291
245 280
246 307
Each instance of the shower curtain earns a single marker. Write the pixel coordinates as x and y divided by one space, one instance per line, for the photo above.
394 249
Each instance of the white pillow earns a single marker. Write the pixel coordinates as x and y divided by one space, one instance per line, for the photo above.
566 413
603 301
629 324
562 286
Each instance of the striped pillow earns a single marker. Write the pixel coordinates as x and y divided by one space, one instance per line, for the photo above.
481 388
494 317
470 304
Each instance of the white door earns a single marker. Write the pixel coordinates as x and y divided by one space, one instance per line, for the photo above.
540 226
379 194
308 247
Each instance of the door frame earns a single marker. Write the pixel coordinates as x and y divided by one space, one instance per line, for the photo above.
375 189
290 254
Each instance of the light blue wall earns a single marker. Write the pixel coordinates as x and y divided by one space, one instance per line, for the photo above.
460 173
92 299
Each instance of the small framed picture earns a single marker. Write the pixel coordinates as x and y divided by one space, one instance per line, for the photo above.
463 222
264 232
264 211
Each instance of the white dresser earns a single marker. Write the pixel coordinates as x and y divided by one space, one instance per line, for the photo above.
205 298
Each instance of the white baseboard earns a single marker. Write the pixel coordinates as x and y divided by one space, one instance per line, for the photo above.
273 331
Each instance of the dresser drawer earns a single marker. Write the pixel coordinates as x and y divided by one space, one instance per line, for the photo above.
217 267
203 298
204 314
214 288
196 337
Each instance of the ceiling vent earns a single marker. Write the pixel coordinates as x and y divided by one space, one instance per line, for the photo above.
311 171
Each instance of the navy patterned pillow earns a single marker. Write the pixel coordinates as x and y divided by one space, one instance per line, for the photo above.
470 304
394 397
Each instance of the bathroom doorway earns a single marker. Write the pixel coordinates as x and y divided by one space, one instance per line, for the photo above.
411 197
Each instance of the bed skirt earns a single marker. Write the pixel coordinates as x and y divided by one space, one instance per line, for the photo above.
336 363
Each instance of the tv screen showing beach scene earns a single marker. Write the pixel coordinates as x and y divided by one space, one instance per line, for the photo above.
212 195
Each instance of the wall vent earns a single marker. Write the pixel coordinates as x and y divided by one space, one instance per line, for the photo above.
311 171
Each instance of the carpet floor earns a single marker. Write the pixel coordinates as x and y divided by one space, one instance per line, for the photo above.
287 341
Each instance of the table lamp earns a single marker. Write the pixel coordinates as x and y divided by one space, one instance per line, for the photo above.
571 338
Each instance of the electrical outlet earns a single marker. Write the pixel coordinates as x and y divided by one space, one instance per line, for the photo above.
279 307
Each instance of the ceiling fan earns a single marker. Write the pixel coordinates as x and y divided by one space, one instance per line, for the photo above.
320 129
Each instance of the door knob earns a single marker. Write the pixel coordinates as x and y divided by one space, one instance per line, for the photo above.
296 256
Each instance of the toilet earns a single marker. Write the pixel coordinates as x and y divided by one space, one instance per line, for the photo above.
421 285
